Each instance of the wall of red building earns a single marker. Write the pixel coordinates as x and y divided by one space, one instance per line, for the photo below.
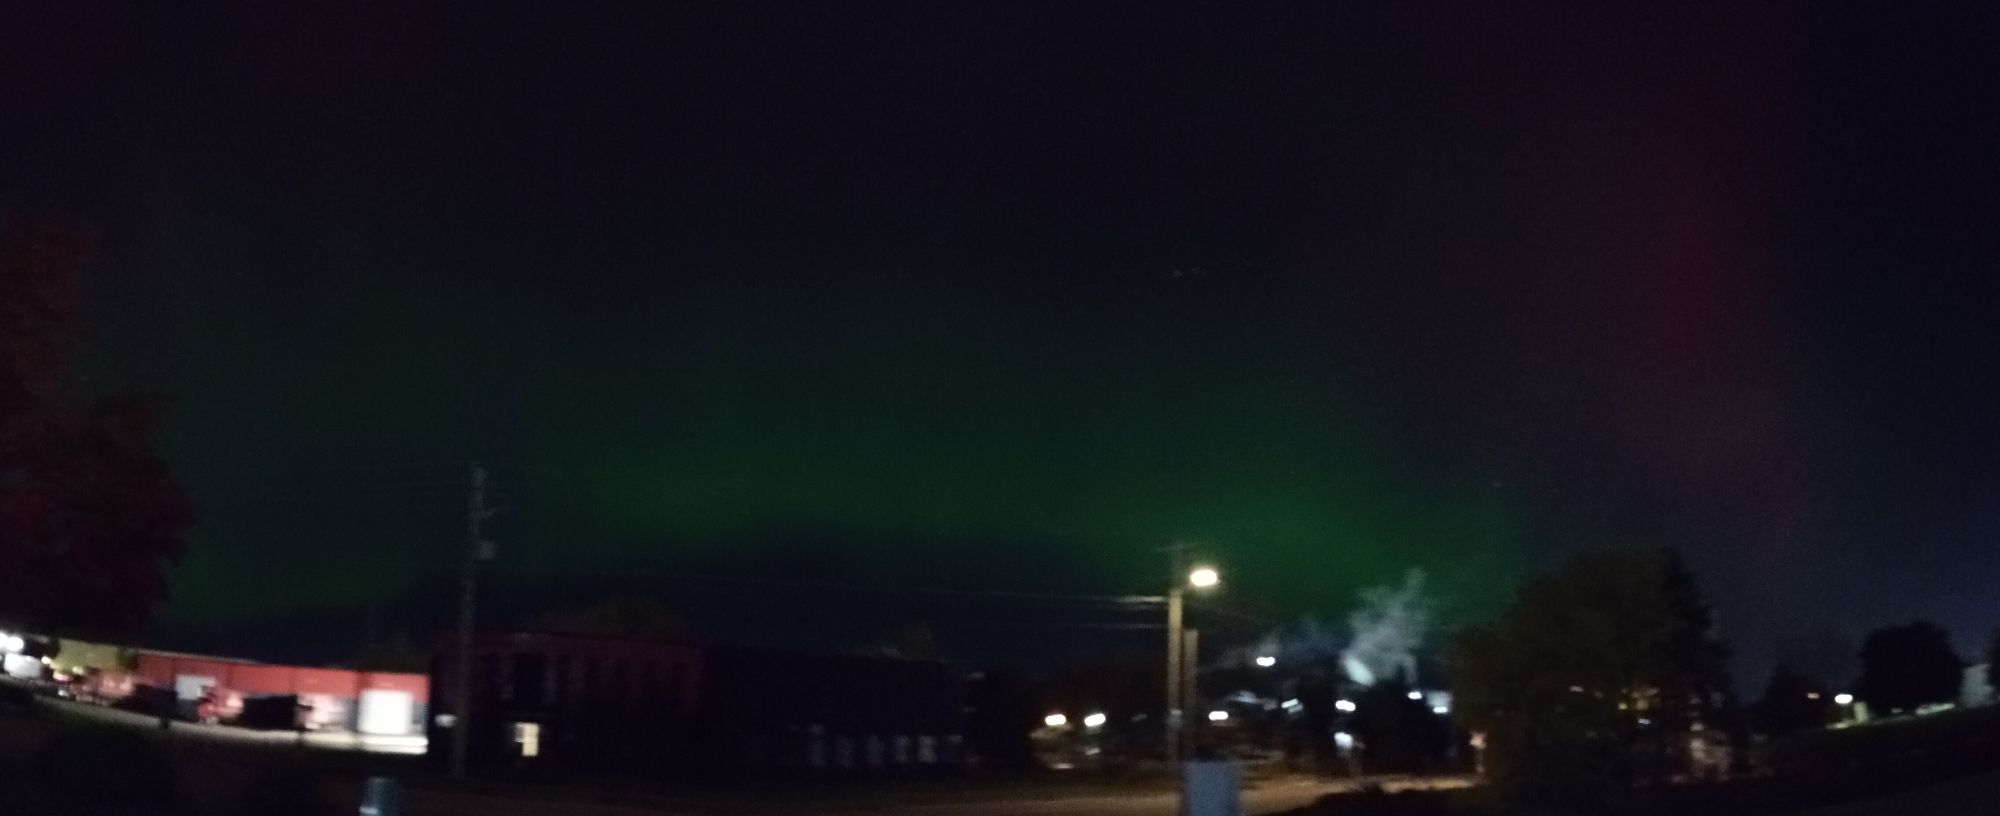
159 670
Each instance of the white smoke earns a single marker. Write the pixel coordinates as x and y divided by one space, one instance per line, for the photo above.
1387 631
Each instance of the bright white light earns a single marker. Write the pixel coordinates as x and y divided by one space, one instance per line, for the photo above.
1344 705
1094 720
1415 694
1440 710
11 642
1843 698
1217 716
1292 704
1055 721
1266 661
1204 578
1343 740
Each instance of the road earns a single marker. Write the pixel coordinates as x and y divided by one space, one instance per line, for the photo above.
1265 798
1269 797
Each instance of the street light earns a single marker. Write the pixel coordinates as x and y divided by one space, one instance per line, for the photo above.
1266 661
1180 644
1055 721
1415 694
1344 705
1094 720
1843 698
1218 715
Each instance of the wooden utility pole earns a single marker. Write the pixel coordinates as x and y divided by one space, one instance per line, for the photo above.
476 513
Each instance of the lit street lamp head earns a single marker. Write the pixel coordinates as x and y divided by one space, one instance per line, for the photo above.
1266 661
1055 721
1203 578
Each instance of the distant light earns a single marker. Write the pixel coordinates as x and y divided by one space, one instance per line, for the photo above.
1576 689
1415 694
1843 698
1217 715
1055 721
1292 704
1343 740
1812 695
1094 720
1644 721
1266 661
1204 577
1440 710
1344 705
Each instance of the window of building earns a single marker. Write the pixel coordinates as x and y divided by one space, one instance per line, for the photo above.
528 739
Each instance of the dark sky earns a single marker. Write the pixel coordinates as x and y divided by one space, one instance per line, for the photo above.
1006 297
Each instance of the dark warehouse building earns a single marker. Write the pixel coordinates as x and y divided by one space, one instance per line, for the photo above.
668 706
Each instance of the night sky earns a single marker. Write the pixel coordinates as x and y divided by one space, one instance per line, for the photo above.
1006 298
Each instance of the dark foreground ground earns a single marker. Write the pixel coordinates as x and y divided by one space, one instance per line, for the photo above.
1941 765
59 757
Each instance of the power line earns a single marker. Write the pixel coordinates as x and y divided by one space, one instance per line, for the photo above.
1132 600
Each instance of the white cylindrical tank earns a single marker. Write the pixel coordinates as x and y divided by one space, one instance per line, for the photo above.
386 713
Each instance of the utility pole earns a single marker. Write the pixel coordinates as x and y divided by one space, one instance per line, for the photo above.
476 514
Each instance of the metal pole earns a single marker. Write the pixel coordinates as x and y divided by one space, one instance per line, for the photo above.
468 593
1173 730
1190 698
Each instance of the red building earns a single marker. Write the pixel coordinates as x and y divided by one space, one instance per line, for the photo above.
217 688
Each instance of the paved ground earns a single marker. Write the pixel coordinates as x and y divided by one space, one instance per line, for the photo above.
334 741
221 769
1270 797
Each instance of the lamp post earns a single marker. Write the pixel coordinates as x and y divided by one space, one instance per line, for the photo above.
1179 676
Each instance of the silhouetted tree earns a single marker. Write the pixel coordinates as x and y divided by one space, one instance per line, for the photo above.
1588 681
1401 735
1903 667
1993 663
1791 703
90 519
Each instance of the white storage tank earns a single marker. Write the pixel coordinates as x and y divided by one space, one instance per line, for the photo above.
386 713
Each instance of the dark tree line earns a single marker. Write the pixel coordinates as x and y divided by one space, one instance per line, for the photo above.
1591 681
